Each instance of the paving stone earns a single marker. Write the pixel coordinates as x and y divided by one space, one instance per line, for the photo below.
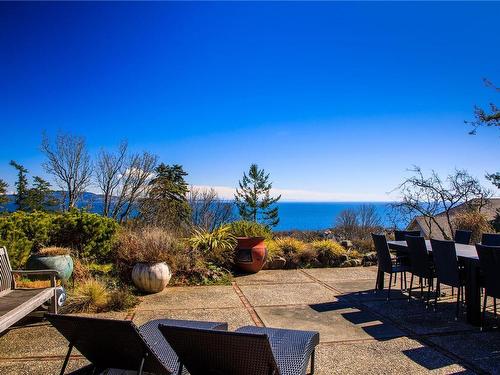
39 366
482 349
191 297
284 294
235 317
419 320
32 340
395 356
343 274
274 277
334 321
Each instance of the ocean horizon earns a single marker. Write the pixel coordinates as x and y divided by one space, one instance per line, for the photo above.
323 215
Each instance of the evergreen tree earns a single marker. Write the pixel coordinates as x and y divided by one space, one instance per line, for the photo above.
4 199
21 186
253 198
166 203
40 197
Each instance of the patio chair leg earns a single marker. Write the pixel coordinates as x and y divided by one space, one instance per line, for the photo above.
312 361
409 290
389 289
141 367
484 310
421 289
428 294
458 304
66 359
438 287
452 290
495 307
406 286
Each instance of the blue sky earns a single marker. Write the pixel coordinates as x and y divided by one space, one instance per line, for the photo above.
335 100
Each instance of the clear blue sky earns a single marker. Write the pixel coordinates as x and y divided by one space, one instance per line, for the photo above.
335 100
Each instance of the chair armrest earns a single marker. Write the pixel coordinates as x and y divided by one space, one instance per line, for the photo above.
36 272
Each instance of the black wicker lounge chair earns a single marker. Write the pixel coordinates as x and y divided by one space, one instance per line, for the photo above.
249 350
120 344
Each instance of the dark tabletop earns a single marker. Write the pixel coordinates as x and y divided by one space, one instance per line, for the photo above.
463 251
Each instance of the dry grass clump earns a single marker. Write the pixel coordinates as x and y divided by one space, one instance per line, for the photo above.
150 245
93 296
90 296
289 245
34 284
53 251
474 221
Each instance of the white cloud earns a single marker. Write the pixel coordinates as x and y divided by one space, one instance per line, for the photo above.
294 195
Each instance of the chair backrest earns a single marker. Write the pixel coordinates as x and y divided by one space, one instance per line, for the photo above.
490 239
419 256
108 343
5 272
211 352
445 260
489 260
383 253
462 236
400 235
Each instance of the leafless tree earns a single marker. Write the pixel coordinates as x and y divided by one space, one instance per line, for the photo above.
136 173
430 195
347 223
108 173
368 219
122 179
69 162
208 210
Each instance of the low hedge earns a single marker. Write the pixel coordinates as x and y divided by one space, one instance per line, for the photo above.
89 235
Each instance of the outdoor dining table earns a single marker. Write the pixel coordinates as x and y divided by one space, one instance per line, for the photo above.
467 255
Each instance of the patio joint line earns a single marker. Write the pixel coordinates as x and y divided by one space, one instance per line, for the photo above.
251 311
408 332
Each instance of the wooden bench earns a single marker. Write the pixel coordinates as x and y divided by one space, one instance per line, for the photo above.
15 304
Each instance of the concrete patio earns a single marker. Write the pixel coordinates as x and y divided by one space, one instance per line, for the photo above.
360 331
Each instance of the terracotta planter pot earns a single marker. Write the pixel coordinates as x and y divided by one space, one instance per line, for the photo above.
151 278
250 254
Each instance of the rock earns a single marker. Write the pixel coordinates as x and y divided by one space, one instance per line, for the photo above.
346 244
370 259
351 263
276 263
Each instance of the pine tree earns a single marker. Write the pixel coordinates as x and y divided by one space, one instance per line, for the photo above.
4 199
40 197
21 186
166 203
253 198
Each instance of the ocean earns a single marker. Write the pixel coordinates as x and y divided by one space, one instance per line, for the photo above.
322 215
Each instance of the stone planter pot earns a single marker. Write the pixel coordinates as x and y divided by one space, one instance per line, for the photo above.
250 254
63 264
151 277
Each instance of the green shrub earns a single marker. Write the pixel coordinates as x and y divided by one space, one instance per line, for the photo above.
363 245
329 252
243 228
88 235
216 247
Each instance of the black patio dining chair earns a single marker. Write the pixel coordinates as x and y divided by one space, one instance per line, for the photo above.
386 264
249 350
420 265
448 270
400 235
111 344
490 239
462 236
489 261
